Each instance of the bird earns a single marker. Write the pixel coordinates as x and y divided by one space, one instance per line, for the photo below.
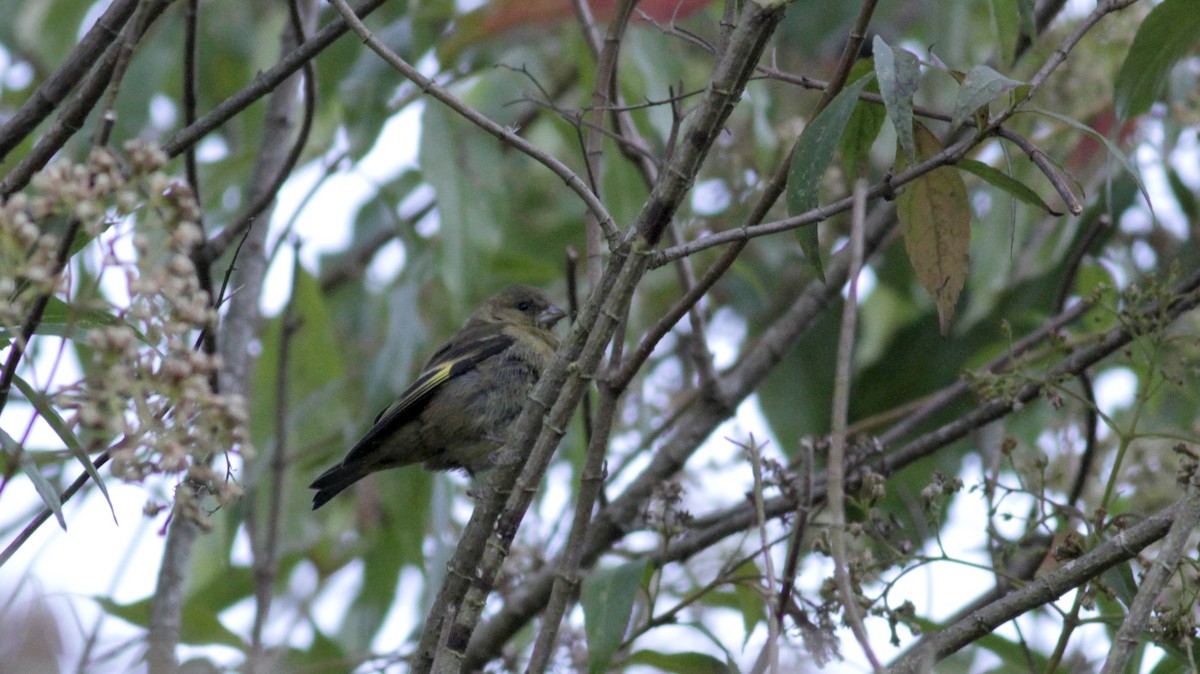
458 411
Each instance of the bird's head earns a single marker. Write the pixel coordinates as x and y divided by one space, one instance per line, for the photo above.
519 305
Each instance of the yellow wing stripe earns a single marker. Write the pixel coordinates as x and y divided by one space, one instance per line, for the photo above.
453 363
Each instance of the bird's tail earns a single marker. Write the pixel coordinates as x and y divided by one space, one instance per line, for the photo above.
333 481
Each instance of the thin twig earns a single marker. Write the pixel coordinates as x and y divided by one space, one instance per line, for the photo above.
46 513
265 83
1133 628
566 582
73 116
1036 594
266 197
502 133
55 88
836 495
770 655
34 318
1040 160
266 549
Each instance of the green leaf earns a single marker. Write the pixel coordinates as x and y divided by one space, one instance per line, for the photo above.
936 220
1009 184
1027 11
681 663
1121 581
1183 194
1006 24
745 598
864 125
898 72
460 162
315 369
43 407
198 627
607 599
1112 149
47 29
980 87
1167 34
44 489
811 157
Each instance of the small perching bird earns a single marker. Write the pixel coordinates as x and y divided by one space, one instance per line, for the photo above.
459 410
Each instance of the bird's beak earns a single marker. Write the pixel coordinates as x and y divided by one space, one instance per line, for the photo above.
550 316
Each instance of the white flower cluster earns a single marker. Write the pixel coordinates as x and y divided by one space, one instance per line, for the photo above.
147 395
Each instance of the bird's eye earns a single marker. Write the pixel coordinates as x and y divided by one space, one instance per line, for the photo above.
523 306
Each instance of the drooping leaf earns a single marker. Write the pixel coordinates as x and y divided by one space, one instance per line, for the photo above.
44 489
1007 26
51 416
681 663
864 125
811 157
745 597
1167 34
1112 149
936 220
1025 9
460 162
1183 195
198 627
998 178
980 87
898 71
607 598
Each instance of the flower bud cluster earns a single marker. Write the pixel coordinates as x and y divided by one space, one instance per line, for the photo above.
147 393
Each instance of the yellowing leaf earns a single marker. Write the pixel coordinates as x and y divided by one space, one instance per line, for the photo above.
936 220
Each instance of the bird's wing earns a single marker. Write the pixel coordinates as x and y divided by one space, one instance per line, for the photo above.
448 363
459 356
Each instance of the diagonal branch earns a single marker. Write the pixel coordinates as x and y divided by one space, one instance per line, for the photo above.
504 134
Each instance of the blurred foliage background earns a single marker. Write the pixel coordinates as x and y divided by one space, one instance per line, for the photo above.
374 277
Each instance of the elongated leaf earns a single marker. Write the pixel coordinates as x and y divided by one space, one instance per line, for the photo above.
1007 25
1167 34
198 626
1009 184
811 157
979 88
1183 194
1028 14
898 71
936 220
864 125
607 599
43 407
1112 149
681 663
44 489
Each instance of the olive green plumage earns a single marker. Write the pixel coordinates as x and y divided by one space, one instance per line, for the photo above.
459 410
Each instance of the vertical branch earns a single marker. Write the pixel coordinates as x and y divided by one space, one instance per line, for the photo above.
769 657
485 543
602 99
266 540
837 437
238 330
201 256
125 46
566 582
1134 625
